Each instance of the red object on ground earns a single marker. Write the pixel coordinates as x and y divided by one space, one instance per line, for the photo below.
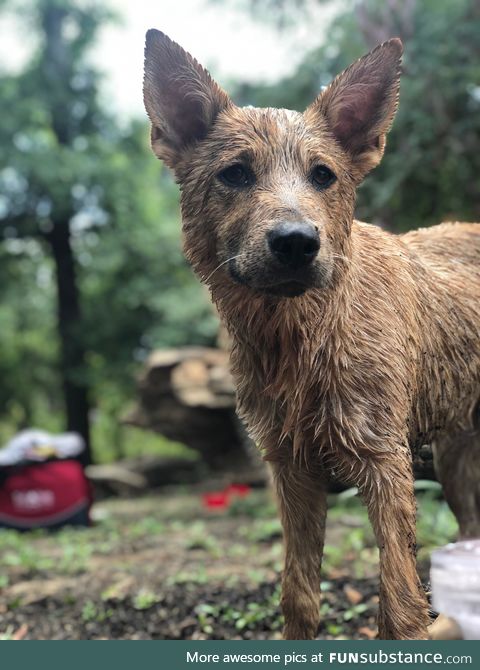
239 490
222 499
216 500
42 495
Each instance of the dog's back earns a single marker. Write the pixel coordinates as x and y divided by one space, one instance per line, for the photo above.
418 298
450 299
450 249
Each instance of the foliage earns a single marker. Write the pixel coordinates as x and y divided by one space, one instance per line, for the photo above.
431 166
27 335
67 162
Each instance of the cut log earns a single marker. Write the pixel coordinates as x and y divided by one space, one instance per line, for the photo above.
188 396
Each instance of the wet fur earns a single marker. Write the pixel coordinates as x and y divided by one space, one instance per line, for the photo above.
377 354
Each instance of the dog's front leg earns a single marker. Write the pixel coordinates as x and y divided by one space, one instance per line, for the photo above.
301 494
388 492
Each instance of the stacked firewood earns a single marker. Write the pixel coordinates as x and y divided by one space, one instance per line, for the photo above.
188 396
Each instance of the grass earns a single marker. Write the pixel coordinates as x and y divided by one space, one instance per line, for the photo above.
69 551
253 616
140 550
93 612
144 599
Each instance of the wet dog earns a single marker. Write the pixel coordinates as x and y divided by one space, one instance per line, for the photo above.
351 346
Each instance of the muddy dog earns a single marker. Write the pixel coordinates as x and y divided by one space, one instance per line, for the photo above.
351 346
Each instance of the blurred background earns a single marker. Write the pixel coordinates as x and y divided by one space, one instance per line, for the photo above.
103 328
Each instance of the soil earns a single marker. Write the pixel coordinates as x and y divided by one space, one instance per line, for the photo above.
164 567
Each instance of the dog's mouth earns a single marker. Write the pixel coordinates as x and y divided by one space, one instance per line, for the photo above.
280 287
285 289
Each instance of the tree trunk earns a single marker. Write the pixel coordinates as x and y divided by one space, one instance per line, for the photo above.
72 352
72 359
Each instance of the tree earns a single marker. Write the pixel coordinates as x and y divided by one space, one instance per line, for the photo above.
55 107
84 208
27 334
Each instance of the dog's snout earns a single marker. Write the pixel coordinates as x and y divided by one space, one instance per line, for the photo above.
294 244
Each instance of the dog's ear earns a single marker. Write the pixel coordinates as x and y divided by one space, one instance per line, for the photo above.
181 99
360 104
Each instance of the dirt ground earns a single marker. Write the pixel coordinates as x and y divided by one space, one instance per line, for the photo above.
165 567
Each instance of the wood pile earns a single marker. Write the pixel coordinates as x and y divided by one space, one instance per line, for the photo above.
188 396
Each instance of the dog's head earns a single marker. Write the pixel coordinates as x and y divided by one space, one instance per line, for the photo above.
268 194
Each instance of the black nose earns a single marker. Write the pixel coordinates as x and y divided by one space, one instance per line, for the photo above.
294 244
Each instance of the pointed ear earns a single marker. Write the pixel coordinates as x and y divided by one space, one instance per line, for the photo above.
181 99
360 104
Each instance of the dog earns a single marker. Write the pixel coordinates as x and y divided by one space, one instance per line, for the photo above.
351 346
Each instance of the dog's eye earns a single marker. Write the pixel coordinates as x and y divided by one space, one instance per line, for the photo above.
236 175
322 177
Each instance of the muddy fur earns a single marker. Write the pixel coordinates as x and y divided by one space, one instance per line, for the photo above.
344 365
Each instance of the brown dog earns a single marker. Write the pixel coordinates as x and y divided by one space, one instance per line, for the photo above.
351 346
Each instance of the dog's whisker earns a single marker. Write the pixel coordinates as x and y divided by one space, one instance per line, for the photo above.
220 265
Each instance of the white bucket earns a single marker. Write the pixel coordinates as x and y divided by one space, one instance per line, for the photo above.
455 579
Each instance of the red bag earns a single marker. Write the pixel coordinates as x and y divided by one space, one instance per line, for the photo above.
44 495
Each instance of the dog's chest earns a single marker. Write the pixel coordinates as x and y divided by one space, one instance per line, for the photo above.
307 399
